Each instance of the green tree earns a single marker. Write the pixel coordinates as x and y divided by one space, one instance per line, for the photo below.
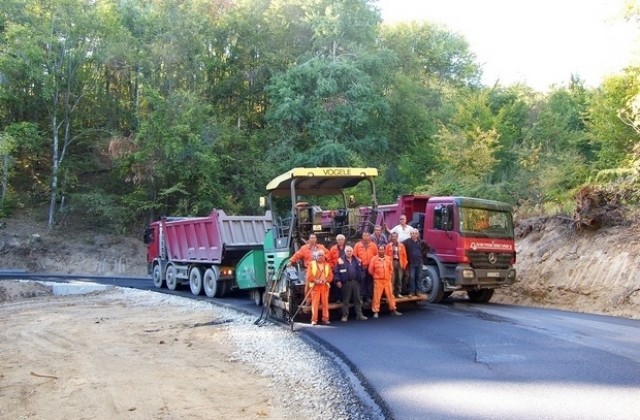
62 39
329 109
432 64
432 54
611 118
466 160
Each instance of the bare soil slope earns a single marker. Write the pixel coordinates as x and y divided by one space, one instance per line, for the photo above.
562 267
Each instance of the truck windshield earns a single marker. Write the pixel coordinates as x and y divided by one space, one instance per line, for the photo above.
485 223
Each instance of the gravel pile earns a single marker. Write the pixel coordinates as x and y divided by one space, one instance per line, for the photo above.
311 382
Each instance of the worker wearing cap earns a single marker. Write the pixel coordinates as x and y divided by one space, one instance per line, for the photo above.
319 277
381 269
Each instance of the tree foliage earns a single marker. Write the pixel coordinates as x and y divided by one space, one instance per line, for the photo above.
130 109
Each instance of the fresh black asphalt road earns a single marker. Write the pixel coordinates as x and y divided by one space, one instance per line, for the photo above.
464 361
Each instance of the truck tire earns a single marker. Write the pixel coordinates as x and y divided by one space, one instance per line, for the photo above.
172 279
256 296
195 281
224 288
480 295
432 285
158 281
210 281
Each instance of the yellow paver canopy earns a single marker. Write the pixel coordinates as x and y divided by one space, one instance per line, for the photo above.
319 181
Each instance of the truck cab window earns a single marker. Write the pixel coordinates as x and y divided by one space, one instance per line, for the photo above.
148 236
443 217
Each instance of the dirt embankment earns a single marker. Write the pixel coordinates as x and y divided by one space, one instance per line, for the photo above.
581 270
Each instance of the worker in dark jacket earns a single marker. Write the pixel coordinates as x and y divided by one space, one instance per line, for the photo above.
350 274
416 255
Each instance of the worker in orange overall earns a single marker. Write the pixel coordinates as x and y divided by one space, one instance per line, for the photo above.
308 251
365 250
381 269
319 277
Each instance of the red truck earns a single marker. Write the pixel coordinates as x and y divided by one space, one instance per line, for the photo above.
202 251
471 240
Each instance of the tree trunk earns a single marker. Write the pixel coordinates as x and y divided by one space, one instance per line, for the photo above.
54 172
5 180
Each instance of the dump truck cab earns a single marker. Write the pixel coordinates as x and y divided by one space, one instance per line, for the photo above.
471 241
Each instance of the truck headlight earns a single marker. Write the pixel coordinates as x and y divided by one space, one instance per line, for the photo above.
468 274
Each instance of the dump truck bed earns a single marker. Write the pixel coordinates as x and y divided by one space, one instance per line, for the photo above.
207 239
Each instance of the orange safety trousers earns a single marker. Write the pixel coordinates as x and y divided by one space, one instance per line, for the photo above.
380 286
320 296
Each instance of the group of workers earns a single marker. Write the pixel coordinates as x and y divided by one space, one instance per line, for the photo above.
373 267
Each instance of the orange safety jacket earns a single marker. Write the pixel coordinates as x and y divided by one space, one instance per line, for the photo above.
381 268
306 254
402 252
365 253
314 273
334 254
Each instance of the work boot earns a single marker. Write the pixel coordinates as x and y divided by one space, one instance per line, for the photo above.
344 319
396 313
362 318
375 314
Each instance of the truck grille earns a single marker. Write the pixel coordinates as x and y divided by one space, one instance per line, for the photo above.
480 259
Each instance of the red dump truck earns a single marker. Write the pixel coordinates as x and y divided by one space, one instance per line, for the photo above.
471 240
202 251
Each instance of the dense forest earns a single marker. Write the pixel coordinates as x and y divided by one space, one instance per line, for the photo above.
128 109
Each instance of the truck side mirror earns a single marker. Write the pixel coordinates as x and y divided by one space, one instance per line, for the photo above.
148 236
445 217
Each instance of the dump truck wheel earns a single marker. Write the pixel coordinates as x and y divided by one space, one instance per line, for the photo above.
432 285
158 281
480 295
195 281
210 281
256 296
223 288
172 280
